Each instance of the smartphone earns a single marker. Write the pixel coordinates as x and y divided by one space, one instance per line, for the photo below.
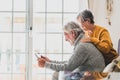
38 55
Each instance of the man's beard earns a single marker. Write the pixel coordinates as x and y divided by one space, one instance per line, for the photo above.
71 42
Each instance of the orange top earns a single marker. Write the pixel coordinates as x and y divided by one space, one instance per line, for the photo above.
101 39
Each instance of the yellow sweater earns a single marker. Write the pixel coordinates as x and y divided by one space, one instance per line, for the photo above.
101 39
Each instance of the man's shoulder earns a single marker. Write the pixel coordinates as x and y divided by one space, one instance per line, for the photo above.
85 45
88 47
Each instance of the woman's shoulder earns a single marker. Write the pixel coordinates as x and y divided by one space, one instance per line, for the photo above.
100 28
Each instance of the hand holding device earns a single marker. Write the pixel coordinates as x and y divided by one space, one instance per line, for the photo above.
38 55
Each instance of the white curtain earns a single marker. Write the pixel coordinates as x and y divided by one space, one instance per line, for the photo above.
93 5
98 7
83 5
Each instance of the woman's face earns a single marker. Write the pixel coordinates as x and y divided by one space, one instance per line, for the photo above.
84 24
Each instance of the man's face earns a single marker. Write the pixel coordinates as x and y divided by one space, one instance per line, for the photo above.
69 37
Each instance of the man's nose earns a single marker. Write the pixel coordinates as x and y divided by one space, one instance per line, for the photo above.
65 39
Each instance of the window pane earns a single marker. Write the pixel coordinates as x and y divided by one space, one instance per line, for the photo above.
38 22
5 21
19 5
54 23
49 71
49 77
54 43
19 77
5 66
67 47
19 22
83 4
5 42
5 5
5 76
66 57
19 42
39 42
54 5
69 8
39 77
19 63
39 5
56 57
69 17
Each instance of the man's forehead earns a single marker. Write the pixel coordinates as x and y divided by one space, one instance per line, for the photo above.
65 32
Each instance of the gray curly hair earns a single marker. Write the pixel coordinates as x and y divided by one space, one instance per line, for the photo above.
72 26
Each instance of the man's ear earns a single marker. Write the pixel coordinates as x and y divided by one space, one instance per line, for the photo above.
73 33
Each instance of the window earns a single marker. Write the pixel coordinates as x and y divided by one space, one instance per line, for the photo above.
18 45
48 39
13 39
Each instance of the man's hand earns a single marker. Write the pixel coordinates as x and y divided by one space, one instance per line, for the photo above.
45 58
41 62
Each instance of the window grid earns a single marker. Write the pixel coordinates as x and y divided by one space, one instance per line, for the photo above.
46 33
27 14
10 74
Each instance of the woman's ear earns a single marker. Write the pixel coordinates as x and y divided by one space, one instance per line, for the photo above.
88 20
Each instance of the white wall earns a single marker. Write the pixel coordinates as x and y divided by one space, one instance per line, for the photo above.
99 11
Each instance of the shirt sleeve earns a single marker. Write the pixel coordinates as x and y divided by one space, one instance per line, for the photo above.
77 59
58 62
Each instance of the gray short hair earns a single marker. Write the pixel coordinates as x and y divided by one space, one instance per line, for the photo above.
72 26
86 14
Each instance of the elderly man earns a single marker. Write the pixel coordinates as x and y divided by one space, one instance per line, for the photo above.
85 57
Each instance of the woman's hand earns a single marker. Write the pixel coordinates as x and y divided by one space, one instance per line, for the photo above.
87 36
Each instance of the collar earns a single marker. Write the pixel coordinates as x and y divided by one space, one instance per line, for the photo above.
78 39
